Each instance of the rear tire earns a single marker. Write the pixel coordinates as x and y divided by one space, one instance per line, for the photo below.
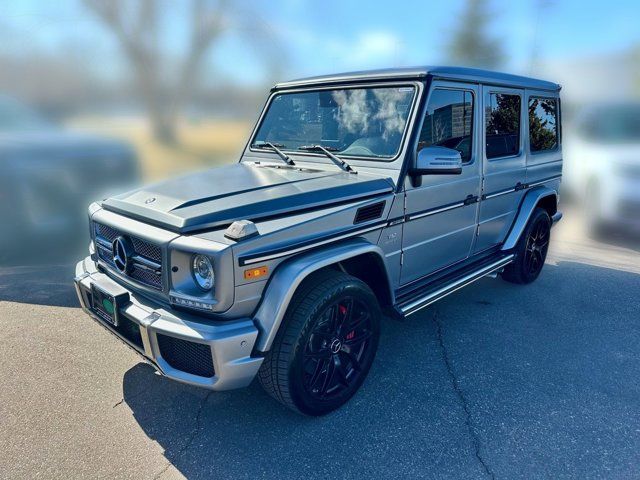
325 346
531 250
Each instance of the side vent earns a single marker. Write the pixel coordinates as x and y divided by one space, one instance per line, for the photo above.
370 212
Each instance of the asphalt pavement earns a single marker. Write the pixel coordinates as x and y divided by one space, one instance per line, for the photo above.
495 381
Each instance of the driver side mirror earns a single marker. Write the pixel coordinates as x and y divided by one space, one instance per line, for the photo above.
437 161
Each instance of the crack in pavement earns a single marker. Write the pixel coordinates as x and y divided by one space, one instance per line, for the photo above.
475 439
196 429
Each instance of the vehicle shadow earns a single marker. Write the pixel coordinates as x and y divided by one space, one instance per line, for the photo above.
508 379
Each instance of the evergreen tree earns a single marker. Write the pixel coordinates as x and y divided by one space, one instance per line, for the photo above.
471 45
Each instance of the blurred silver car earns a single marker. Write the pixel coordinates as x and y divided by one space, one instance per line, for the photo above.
602 165
46 175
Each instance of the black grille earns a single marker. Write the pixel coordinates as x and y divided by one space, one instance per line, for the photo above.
190 357
141 247
370 212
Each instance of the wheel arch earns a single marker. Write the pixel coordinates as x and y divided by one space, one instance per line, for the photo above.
543 197
357 257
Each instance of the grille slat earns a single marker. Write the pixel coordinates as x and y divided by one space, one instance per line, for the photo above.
190 357
369 212
141 247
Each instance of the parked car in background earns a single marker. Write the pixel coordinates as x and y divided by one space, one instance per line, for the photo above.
356 194
46 174
602 166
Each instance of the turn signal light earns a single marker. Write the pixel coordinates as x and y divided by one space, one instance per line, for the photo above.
255 272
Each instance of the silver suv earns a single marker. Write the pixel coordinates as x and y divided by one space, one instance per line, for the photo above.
357 194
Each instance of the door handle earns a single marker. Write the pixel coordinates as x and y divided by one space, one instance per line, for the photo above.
470 199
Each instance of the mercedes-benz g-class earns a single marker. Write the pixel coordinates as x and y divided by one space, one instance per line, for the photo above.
357 195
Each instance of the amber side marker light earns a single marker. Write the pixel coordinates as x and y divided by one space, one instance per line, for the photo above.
255 272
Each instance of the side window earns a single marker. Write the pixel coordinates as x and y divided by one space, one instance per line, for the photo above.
449 122
543 124
502 117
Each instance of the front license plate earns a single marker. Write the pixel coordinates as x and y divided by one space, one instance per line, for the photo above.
104 305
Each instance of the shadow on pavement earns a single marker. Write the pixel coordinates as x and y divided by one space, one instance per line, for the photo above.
543 378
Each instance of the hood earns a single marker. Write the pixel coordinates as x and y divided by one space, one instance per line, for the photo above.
242 191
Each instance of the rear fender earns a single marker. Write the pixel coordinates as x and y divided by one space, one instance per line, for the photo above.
533 198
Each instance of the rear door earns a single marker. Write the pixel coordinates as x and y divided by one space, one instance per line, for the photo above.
441 212
504 163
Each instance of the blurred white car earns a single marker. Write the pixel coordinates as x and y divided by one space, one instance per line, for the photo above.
602 165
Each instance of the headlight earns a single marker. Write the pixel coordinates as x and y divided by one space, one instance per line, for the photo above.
202 271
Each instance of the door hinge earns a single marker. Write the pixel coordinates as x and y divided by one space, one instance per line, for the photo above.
402 258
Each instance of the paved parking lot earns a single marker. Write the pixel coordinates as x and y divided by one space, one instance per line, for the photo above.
495 381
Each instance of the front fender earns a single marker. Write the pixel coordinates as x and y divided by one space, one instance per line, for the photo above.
290 274
528 205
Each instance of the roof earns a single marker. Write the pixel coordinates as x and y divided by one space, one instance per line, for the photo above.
413 73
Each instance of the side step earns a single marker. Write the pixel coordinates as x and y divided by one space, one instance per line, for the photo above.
439 289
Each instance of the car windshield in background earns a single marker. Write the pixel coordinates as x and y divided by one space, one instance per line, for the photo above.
614 124
17 117
358 122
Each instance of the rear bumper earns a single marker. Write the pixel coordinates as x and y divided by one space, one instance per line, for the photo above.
181 346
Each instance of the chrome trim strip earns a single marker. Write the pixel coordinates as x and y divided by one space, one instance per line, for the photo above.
442 292
264 258
499 194
542 182
435 211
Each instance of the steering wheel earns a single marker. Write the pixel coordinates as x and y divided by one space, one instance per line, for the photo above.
358 150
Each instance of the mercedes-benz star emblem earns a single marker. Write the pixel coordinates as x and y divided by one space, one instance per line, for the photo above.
122 252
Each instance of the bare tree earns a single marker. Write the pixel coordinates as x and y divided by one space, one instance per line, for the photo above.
471 44
136 24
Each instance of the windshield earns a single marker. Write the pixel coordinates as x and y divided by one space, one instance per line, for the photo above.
359 122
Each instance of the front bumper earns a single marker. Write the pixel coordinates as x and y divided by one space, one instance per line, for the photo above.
181 346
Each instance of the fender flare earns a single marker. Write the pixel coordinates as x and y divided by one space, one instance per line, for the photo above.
288 276
528 205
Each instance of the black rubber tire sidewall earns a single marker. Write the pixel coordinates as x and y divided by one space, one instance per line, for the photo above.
311 299
516 272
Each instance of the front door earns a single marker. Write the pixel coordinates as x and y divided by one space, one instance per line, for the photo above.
441 213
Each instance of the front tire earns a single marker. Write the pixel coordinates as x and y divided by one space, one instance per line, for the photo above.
325 346
531 250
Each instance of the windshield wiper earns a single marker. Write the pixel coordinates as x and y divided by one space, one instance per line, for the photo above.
276 148
327 151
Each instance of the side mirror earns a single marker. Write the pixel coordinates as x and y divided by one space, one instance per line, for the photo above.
437 161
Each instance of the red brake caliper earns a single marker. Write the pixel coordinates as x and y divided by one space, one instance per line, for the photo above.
343 312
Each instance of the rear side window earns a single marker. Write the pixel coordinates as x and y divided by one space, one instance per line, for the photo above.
543 124
502 117
449 122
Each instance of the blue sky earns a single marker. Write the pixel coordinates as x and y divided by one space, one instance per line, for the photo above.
302 38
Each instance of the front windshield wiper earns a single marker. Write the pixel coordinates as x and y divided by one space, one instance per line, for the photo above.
276 148
327 151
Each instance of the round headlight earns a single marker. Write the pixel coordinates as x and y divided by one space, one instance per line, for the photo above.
202 271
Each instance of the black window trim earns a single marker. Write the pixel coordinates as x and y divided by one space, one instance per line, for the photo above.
504 91
419 126
558 133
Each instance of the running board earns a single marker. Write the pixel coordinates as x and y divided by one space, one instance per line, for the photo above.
433 295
